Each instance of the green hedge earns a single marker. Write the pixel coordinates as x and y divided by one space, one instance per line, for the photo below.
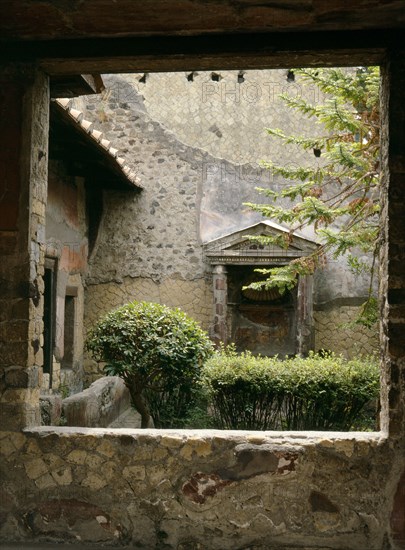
315 393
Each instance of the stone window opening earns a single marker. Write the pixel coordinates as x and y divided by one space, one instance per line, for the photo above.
249 248
360 471
70 301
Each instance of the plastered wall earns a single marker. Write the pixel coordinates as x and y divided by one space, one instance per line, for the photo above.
67 244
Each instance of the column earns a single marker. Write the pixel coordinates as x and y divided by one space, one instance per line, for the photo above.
305 319
392 250
392 277
24 128
220 282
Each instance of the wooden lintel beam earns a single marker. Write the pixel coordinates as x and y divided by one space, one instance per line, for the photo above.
174 53
71 20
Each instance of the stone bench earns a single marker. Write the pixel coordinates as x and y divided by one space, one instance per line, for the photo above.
99 405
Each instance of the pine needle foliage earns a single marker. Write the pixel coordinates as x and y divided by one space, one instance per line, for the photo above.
338 197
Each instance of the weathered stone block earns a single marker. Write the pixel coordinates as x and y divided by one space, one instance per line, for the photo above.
202 486
254 460
77 456
17 377
36 468
63 476
94 482
99 405
321 503
134 472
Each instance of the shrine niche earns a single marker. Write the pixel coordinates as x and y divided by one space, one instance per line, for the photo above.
264 322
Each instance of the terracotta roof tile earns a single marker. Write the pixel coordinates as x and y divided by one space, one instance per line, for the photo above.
64 102
105 143
77 115
87 125
97 135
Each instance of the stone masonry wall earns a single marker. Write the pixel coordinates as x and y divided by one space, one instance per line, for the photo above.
228 116
333 331
207 490
25 102
67 242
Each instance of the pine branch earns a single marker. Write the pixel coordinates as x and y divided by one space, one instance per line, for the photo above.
344 218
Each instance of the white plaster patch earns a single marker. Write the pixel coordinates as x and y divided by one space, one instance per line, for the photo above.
282 462
102 520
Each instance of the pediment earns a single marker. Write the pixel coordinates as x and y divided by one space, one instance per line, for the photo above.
238 248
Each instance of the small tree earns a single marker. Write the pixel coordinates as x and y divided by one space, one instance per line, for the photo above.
157 351
339 197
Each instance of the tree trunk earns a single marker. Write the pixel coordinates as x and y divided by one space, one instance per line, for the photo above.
140 405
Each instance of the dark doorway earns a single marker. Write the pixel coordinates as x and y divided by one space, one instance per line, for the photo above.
69 331
49 315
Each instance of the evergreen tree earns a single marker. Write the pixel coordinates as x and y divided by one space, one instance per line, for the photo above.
339 197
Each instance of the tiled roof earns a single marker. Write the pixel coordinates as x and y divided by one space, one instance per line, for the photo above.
98 137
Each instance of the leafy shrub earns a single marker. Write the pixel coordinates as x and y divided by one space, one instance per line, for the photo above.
158 352
316 393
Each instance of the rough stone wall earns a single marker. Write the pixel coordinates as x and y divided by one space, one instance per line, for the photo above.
338 296
149 244
155 233
198 490
189 108
392 277
228 117
220 124
334 332
393 246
